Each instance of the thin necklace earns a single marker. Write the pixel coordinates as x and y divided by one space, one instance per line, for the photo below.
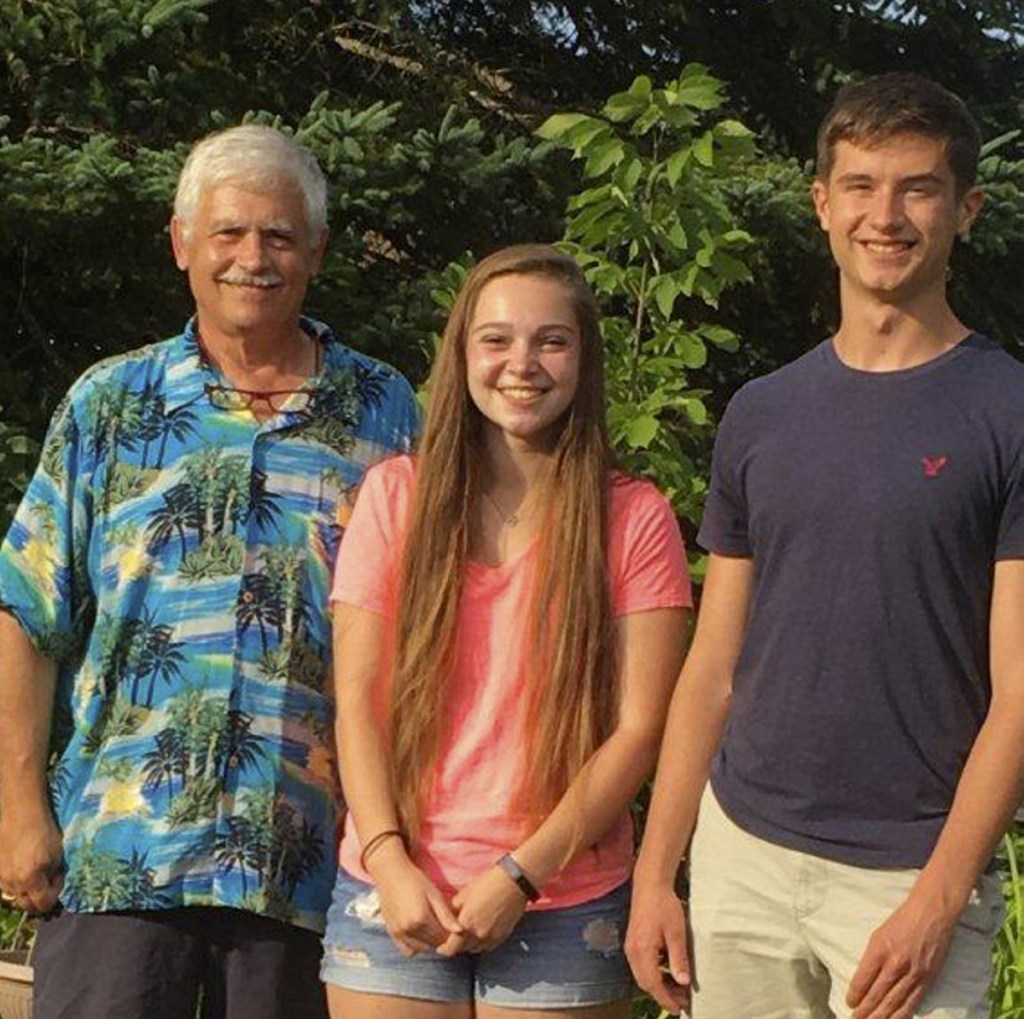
507 519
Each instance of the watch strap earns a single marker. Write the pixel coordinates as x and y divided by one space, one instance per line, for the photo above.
508 864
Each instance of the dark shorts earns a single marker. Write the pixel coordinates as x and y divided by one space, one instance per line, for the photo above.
162 964
553 959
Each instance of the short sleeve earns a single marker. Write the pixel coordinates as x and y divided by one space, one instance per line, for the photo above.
407 419
43 560
366 570
396 418
725 526
648 557
1010 539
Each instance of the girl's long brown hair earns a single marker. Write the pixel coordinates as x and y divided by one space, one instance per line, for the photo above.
572 682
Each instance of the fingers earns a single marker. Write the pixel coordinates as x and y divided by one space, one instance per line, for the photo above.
455 944
894 994
867 972
887 985
672 997
40 901
46 897
899 1002
443 912
38 895
678 956
433 926
658 957
410 945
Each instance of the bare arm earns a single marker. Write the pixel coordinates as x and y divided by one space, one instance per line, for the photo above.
417 915
30 843
700 706
651 648
907 952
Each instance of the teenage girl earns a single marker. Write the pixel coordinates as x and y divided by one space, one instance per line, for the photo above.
509 624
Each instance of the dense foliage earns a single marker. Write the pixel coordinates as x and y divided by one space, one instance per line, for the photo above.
424 116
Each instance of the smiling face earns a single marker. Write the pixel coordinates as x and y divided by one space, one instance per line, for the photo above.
249 259
523 357
892 212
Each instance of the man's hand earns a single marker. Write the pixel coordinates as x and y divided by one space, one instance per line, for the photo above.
31 859
902 959
416 913
488 908
656 946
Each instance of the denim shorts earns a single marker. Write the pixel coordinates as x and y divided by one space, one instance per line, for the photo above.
553 959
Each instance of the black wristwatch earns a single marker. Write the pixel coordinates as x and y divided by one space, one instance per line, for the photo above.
523 883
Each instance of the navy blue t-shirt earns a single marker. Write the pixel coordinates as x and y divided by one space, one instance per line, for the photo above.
874 505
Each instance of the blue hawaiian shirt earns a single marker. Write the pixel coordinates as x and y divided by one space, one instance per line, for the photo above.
175 559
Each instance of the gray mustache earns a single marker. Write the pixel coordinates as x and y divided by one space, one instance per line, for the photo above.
245 280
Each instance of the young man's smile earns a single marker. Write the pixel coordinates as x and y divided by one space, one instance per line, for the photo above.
892 212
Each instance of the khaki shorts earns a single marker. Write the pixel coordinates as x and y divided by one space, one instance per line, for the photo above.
778 934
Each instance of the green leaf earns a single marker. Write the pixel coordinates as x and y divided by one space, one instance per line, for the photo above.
690 349
676 163
557 125
677 235
736 237
700 91
728 268
733 129
624 106
628 174
604 157
444 299
679 116
641 87
696 411
997 143
665 290
689 280
647 120
598 229
586 217
721 337
704 149
583 134
641 431
589 197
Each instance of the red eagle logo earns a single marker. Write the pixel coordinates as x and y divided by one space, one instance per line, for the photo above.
933 464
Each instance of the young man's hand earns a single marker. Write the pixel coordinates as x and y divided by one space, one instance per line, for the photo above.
656 946
902 959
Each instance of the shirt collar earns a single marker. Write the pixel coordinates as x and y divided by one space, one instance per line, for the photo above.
188 372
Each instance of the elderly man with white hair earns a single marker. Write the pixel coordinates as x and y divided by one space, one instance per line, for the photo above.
168 798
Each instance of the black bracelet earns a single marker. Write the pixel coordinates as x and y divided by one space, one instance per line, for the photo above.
377 840
508 864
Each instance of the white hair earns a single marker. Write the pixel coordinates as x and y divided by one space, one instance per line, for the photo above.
256 156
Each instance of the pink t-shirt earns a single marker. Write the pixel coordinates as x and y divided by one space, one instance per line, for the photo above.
469 821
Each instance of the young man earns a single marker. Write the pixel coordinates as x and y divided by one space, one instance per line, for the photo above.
856 683
164 626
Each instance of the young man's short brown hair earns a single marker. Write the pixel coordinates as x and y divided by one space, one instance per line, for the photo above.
871 111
